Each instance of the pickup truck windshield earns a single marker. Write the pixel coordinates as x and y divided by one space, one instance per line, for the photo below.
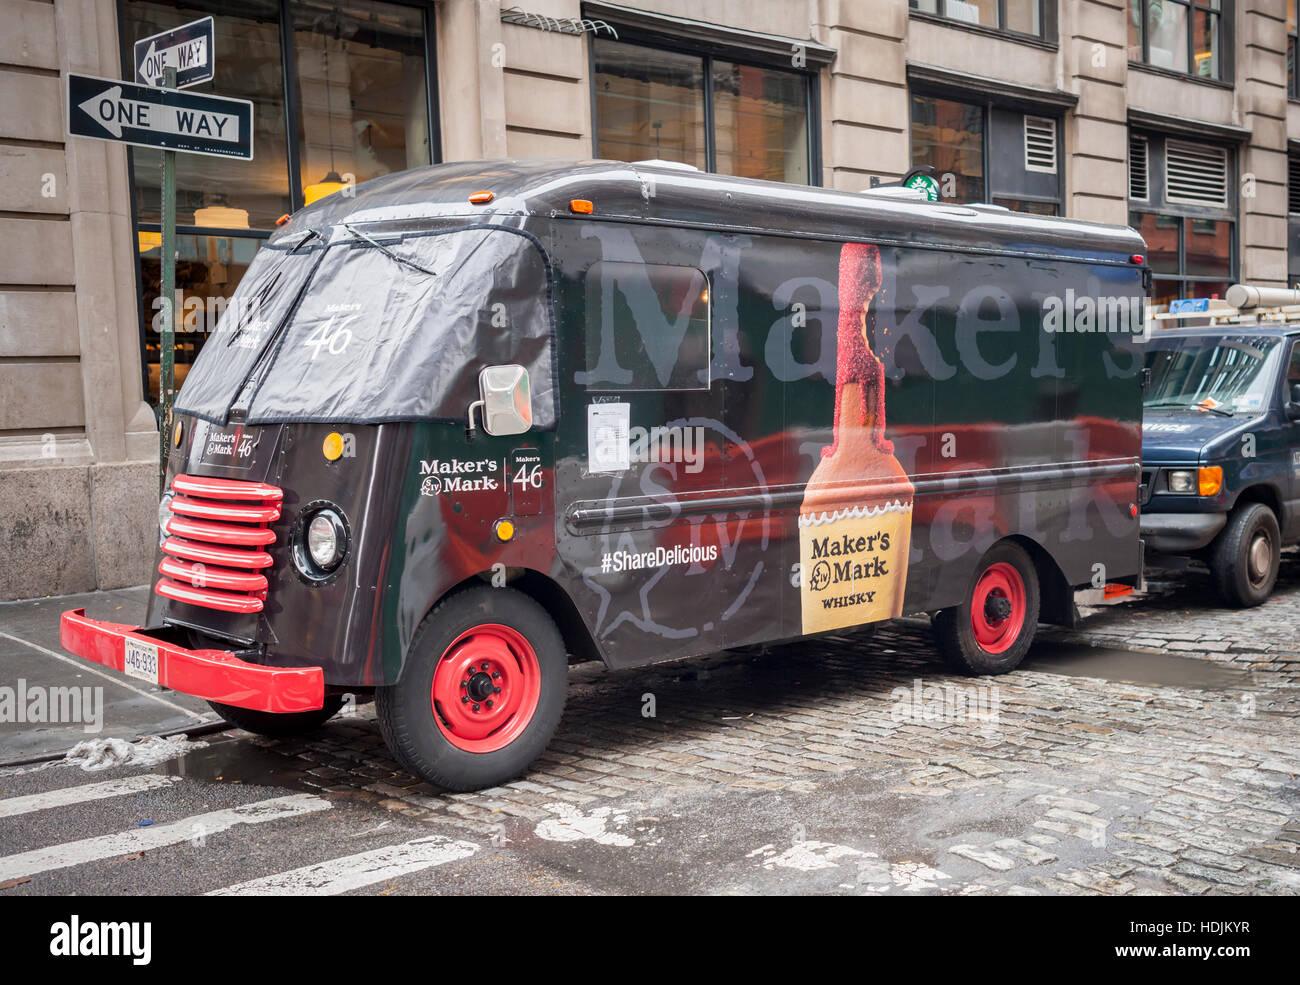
1224 373
359 326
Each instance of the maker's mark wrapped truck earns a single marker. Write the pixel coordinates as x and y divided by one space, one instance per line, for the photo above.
484 419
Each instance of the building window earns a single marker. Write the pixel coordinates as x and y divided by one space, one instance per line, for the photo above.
1180 35
1293 218
358 108
716 114
1292 48
983 153
1018 16
1186 216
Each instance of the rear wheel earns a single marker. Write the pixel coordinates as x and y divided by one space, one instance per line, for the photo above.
482 691
991 631
1245 556
278 726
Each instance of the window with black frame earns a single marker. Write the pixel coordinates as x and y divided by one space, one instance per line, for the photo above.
717 114
356 108
986 153
1187 36
1180 202
1016 16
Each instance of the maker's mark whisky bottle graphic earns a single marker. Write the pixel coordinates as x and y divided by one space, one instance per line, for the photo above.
855 523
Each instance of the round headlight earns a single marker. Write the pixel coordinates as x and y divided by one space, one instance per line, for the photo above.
325 537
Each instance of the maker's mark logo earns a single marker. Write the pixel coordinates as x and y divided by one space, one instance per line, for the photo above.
456 475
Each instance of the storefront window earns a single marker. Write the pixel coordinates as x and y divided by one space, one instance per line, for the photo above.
359 110
208 268
760 117
653 103
649 104
949 136
361 91
1179 35
249 194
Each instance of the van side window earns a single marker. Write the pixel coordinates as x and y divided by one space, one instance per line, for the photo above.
647 327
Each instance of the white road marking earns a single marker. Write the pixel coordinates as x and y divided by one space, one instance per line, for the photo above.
158 836
116 677
354 871
14 806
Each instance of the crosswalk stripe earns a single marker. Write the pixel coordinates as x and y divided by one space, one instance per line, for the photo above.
66 796
158 836
354 871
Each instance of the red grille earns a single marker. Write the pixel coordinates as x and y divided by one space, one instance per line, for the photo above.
213 554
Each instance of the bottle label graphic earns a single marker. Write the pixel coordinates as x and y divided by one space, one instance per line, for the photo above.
855 522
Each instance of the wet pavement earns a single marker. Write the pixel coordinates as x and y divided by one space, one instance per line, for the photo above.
1152 751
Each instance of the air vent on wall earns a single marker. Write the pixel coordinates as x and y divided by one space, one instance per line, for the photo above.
1293 184
1196 174
1040 144
1139 189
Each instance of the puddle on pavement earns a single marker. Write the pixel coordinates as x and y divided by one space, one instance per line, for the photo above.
241 762
1130 666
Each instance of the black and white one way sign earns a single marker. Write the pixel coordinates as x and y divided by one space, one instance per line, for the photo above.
187 48
111 109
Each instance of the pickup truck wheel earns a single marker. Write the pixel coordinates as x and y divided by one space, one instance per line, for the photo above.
279 726
481 693
1245 556
991 631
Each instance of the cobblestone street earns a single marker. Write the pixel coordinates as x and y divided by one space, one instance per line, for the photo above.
1152 752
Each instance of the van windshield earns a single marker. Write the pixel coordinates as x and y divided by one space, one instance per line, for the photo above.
365 327
1225 374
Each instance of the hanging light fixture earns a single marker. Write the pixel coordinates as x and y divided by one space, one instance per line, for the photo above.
332 182
221 217
148 241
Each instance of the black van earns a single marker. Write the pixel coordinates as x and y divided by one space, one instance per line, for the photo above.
483 418
1221 451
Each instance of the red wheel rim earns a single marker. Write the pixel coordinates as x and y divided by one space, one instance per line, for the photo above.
999 586
486 688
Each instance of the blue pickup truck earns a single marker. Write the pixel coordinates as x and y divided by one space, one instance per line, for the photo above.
1221 451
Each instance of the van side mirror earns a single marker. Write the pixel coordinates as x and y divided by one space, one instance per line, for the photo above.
1293 408
505 399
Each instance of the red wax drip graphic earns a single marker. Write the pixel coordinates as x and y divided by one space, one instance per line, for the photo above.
859 281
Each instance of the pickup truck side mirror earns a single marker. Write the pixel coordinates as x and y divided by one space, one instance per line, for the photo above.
506 401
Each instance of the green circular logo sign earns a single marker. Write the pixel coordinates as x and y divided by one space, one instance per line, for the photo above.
924 184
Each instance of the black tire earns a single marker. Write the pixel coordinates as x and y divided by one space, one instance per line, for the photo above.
406 713
954 631
279 726
1245 556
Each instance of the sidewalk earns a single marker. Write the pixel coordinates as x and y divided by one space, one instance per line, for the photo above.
30 657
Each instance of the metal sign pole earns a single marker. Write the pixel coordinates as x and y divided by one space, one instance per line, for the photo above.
167 342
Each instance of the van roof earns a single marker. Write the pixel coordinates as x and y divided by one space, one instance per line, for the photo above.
664 193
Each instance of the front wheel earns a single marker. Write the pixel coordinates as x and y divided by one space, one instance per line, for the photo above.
1245 556
992 629
481 693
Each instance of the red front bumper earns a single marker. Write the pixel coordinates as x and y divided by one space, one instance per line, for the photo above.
216 675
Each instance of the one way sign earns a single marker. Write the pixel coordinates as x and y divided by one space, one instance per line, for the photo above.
109 109
187 48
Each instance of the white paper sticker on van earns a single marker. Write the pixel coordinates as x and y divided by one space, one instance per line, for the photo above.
607 437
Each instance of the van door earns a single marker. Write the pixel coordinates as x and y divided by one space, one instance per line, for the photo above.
641 456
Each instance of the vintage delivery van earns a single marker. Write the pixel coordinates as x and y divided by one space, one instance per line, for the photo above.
481 419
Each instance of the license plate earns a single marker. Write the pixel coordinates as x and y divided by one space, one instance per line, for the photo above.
141 660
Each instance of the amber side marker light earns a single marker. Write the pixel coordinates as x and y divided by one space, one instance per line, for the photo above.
1209 480
481 198
504 530
581 205
332 446
282 220
177 431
